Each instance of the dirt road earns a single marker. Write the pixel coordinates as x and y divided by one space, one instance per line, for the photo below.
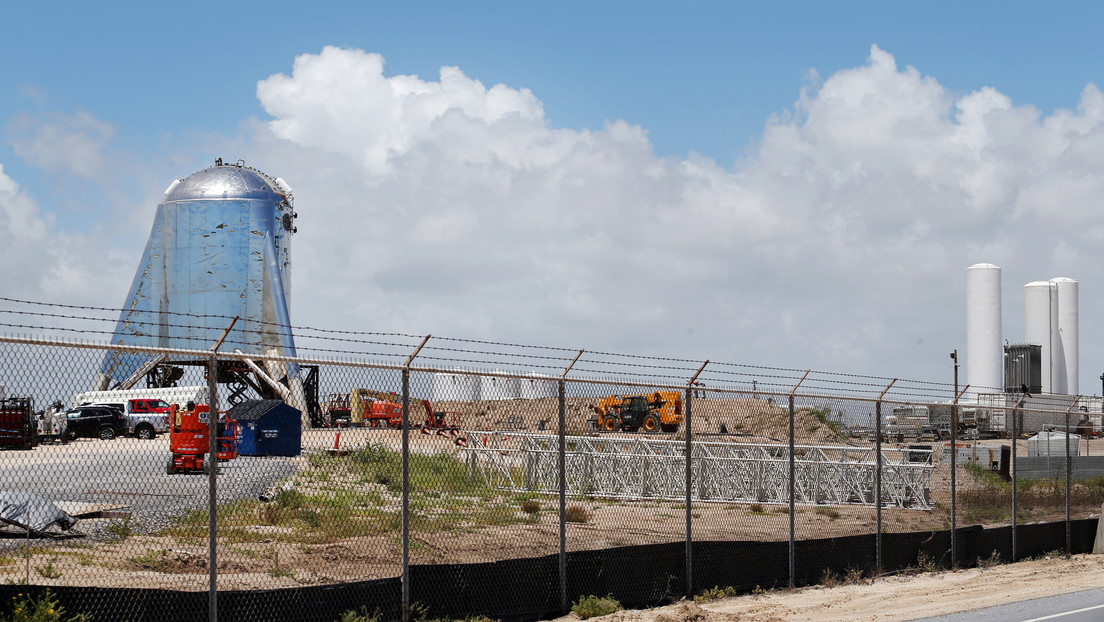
891 599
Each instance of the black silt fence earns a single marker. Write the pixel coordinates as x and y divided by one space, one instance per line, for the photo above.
522 590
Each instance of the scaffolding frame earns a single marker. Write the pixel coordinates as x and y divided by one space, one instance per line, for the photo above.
644 468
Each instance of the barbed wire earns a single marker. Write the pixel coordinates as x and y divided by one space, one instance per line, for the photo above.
669 370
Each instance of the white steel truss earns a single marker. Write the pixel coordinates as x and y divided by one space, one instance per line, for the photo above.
642 468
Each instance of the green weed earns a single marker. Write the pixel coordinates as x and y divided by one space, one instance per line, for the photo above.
715 593
121 529
49 571
361 615
594 606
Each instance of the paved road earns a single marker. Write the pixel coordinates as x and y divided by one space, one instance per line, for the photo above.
1085 606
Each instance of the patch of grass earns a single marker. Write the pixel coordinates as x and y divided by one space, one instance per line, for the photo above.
151 560
594 606
121 529
757 508
989 562
831 513
855 576
1049 555
361 615
49 571
715 593
530 506
576 514
281 572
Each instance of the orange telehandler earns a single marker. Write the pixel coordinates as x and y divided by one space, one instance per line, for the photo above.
649 412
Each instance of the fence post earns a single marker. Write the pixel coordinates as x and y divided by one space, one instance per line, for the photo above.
406 480
878 479
954 467
561 467
792 477
1069 476
1016 413
689 484
211 462
212 491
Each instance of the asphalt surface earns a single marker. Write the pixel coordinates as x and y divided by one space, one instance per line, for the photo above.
130 475
1084 606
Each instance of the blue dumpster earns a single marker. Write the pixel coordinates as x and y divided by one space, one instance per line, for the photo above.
268 428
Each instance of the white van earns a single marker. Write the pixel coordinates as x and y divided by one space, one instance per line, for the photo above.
146 410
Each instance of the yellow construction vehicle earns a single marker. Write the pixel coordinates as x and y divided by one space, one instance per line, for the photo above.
649 412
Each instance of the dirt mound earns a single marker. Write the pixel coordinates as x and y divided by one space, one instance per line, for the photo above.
761 420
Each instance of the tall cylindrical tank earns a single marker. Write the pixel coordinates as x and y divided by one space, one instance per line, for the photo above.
219 248
984 353
1068 329
455 387
499 388
537 386
1041 327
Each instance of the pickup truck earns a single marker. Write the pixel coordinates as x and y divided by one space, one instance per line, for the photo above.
146 417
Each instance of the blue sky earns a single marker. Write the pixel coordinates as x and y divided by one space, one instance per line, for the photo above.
102 106
700 77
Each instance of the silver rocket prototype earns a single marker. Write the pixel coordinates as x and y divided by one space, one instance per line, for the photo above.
219 248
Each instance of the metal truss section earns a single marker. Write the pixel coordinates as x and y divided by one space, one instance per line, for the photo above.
641 468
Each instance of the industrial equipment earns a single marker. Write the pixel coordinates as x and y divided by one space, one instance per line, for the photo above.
651 412
188 439
17 430
371 408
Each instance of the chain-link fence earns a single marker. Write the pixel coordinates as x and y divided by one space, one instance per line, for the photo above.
418 478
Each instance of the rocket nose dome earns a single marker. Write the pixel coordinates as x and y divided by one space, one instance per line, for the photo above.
224 181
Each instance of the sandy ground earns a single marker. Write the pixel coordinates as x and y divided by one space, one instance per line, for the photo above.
888 599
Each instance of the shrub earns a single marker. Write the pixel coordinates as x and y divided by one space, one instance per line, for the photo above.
45 608
715 593
576 514
121 529
361 615
530 506
594 606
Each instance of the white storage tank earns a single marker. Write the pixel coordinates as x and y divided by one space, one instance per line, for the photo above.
1053 443
455 387
499 388
984 350
538 386
1041 328
1068 330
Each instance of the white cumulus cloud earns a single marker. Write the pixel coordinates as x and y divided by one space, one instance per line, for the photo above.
446 206
442 205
